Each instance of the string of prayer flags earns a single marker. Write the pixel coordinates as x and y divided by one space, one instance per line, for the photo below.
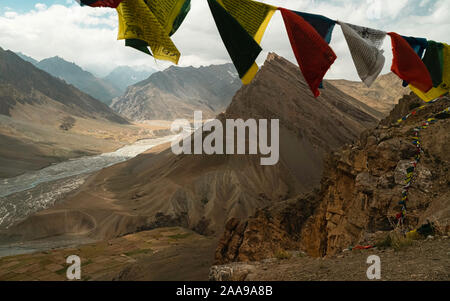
407 64
365 47
418 45
241 46
100 3
313 54
147 26
254 17
411 169
140 26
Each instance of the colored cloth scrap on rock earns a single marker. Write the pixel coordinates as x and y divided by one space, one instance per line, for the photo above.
407 65
365 47
241 46
313 54
358 247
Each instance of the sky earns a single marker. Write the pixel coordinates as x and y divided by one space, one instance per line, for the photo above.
88 36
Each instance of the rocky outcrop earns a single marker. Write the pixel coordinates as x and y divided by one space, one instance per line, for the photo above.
270 230
359 195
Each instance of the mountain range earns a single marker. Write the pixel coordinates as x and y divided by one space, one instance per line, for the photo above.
202 192
103 89
44 120
179 91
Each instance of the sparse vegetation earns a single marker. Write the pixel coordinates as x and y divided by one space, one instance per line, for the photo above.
138 252
67 123
282 255
180 236
394 240
204 201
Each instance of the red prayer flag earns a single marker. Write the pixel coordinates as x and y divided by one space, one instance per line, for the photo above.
408 65
101 3
313 54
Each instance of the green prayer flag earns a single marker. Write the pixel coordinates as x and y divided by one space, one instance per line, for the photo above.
241 46
434 60
138 45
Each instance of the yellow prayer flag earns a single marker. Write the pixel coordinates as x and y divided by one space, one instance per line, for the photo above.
137 21
253 16
168 12
430 95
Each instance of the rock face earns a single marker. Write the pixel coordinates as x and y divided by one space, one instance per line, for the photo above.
270 230
179 91
361 188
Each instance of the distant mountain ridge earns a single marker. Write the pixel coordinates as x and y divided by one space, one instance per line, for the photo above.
124 76
83 80
44 120
179 91
103 89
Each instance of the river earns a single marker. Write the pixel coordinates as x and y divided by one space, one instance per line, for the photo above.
26 194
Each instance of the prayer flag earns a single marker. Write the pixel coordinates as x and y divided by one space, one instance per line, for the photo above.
312 52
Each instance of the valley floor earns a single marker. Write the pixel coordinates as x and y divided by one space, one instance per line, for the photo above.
177 254
160 254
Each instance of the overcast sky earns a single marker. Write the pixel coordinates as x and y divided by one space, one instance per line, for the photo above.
88 36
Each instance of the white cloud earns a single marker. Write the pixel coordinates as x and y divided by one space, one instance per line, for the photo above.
40 6
87 35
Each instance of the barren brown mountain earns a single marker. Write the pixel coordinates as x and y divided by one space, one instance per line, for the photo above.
382 96
179 91
202 192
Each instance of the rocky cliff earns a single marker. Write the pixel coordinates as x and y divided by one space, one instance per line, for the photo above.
359 195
